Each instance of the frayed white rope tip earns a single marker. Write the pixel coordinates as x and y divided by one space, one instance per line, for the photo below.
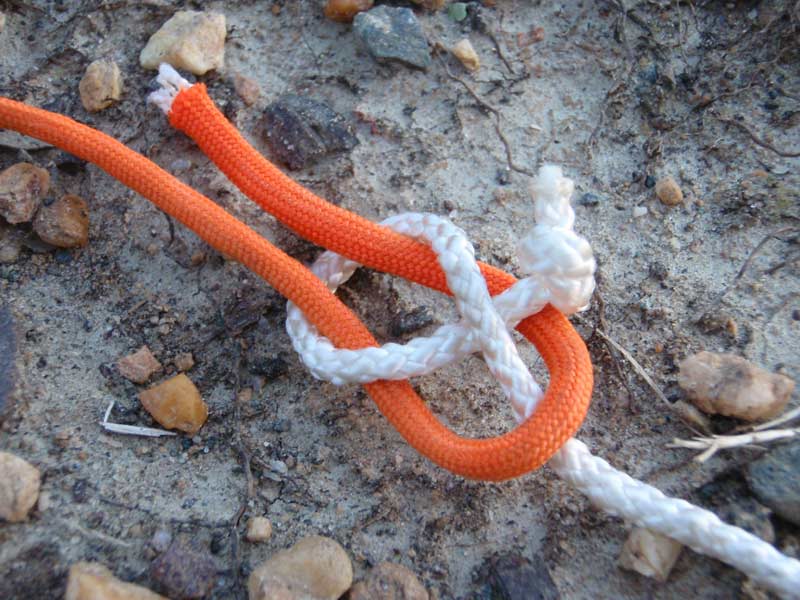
131 429
171 84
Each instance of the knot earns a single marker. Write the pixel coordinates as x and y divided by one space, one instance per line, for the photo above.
551 251
560 267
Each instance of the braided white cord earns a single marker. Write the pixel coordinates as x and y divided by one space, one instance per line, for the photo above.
562 270
701 530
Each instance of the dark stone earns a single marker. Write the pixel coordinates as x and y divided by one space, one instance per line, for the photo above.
589 199
393 34
410 322
8 346
185 570
650 182
300 131
775 480
514 577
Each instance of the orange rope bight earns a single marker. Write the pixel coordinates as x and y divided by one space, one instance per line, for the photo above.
523 449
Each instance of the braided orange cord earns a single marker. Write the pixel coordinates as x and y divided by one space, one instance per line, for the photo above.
519 451
567 399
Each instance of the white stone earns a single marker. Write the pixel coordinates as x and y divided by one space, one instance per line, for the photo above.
649 553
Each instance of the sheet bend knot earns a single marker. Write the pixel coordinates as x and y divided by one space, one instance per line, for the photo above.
560 268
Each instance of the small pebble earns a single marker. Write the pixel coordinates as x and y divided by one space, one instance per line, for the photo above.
393 34
343 11
457 11
259 529
732 386
650 554
300 131
389 581
19 487
649 182
639 211
190 40
668 191
64 223
775 480
139 366
93 581
185 570
464 52
184 361
315 566
176 404
2 22
101 85
22 187
589 199
247 88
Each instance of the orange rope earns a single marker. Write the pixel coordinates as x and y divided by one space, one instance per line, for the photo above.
527 447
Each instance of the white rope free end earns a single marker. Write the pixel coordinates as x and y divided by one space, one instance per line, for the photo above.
171 84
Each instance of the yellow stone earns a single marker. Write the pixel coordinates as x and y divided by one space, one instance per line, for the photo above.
669 192
190 40
93 581
101 85
176 404
19 487
464 52
259 529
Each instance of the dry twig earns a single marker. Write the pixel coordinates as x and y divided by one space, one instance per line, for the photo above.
758 140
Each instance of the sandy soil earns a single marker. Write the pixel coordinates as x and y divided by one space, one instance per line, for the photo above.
611 96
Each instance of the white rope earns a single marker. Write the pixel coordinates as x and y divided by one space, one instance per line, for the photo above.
171 83
561 272
701 530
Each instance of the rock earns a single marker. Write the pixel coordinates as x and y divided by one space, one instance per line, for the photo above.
732 386
10 244
315 566
139 366
101 85
19 487
2 22
393 34
8 348
185 570
176 404
639 211
64 223
93 581
184 361
668 191
22 187
190 40
775 480
409 322
300 131
343 11
389 581
259 529
457 11
430 4
247 89
514 577
464 52
649 553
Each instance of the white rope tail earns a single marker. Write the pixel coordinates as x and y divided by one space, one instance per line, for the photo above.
560 268
171 83
701 530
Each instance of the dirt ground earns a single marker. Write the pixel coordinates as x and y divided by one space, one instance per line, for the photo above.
615 92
